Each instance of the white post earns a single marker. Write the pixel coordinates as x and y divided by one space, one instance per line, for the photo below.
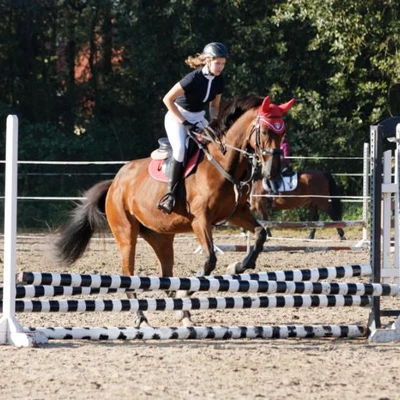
11 331
365 191
397 205
365 196
386 209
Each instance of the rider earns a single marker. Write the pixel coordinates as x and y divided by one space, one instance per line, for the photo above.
286 152
285 163
186 102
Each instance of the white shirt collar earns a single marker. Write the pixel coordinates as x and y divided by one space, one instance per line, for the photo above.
206 73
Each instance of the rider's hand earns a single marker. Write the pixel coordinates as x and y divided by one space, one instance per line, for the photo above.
191 127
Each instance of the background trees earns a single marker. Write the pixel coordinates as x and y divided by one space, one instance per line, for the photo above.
86 77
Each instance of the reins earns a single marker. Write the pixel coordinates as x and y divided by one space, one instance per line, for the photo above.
237 183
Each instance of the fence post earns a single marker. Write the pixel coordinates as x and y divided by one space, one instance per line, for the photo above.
11 331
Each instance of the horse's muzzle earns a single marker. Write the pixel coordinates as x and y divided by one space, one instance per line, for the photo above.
271 163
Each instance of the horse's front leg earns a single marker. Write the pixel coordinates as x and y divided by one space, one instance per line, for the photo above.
203 231
245 219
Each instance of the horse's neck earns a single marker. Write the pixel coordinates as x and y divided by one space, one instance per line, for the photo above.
236 139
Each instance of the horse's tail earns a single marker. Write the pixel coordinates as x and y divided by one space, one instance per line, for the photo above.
337 209
86 218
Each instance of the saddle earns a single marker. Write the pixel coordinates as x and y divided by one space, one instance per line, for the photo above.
287 182
160 158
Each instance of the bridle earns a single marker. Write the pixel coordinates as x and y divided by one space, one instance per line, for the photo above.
259 151
254 158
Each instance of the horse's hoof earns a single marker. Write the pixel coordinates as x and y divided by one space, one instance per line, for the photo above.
145 324
184 318
187 322
235 268
140 321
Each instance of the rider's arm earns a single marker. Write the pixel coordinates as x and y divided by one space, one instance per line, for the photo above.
214 106
169 100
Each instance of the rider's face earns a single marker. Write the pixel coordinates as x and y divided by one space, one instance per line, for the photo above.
216 65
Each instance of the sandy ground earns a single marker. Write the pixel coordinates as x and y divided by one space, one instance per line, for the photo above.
206 369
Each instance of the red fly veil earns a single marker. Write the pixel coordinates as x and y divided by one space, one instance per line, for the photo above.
271 115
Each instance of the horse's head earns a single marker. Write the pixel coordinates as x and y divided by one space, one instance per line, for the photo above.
269 128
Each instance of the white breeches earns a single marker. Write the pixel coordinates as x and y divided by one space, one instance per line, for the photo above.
176 132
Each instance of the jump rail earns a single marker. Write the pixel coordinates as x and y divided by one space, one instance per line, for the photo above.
114 281
212 332
269 249
186 304
311 224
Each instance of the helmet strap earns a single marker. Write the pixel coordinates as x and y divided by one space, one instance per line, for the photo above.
208 68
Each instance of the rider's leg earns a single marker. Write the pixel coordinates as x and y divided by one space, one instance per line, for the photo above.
176 133
274 185
167 203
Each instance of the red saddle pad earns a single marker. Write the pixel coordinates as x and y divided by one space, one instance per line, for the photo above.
156 172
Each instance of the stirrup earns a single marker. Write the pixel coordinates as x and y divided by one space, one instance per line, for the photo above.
167 203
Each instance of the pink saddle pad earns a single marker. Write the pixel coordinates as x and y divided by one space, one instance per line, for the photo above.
157 173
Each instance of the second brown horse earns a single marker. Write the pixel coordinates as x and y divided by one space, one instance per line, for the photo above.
317 190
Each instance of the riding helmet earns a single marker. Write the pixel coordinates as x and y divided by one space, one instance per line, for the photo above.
215 49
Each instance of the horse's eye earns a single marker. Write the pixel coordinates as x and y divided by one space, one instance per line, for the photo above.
265 131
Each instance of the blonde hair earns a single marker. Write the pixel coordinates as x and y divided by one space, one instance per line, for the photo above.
197 61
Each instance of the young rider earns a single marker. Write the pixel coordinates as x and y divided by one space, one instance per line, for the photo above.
286 152
186 102
285 163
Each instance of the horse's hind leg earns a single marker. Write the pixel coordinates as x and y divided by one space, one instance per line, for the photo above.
162 245
340 232
314 217
125 230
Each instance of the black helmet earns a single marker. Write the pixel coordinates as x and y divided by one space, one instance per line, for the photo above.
215 49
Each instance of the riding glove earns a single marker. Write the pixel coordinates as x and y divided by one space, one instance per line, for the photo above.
191 127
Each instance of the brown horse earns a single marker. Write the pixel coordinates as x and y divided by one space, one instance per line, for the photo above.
218 191
315 189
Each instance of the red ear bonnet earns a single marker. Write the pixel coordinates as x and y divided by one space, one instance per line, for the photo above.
271 115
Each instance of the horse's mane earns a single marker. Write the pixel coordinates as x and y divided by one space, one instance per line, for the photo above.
232 110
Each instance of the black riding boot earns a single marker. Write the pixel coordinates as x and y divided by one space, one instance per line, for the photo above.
274 187
287 171
167 202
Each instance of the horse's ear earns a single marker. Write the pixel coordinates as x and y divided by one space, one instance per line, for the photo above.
265 105
287 106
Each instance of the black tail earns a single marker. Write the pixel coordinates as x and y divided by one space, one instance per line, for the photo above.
337 210
86 218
